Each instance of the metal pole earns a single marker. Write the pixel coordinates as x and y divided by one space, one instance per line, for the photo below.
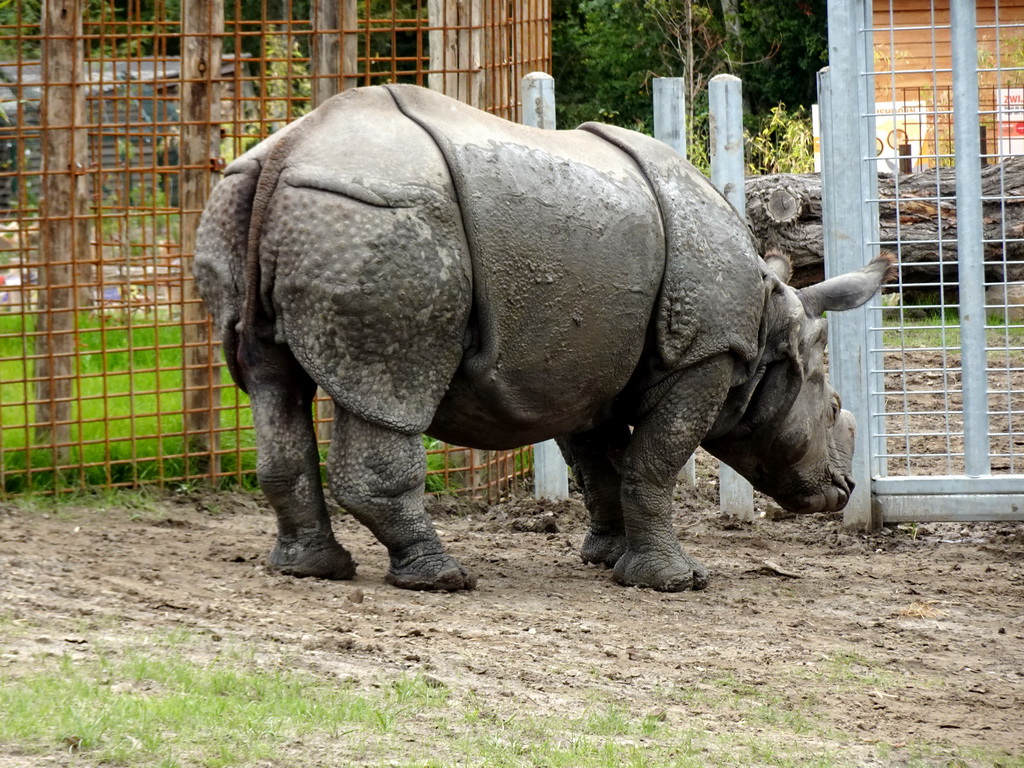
736 495
847 167
970 252
538 95
725 97
670 127
550 474
670 112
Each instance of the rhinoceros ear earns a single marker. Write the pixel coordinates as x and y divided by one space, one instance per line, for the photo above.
780 264
850 290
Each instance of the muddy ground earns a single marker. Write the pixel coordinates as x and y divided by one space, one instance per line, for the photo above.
909 644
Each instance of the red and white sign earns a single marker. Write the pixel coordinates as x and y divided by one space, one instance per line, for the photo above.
1010 120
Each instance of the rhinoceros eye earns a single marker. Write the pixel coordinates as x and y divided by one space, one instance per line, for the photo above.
836 407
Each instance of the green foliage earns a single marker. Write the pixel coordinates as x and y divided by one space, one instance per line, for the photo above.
287 79
607 51
783 44
781 142
604 53
19 29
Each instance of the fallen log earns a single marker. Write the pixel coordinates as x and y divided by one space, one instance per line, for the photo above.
784 211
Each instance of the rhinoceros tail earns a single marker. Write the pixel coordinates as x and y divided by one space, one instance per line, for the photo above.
270 174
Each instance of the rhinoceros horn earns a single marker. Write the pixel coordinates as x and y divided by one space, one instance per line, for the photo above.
849 290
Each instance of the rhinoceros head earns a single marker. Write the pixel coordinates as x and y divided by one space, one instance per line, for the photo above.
794 441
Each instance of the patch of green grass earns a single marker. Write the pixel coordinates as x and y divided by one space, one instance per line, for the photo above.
851 671
163 703
126 410
146 708
933 327
126 413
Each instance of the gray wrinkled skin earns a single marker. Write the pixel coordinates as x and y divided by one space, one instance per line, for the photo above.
436 269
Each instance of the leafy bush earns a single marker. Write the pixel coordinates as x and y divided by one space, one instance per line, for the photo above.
781 142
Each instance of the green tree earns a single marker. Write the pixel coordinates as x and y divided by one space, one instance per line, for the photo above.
604 53
607 51
783 45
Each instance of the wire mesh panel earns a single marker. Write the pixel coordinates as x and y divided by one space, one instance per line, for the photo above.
923 361
115 120
943 110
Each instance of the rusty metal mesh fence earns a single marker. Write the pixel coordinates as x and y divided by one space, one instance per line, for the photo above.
114 121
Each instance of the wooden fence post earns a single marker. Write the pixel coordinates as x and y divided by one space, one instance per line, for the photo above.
350 44
325 50
456 43
202 27
64 229
334 52
325 70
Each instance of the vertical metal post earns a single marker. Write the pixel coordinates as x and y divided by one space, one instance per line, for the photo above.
848 180
670 112
670 127
550 474
538 96
202 28
725 102
970 251
736 495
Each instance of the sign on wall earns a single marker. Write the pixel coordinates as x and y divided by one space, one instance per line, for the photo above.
900 129
1010 120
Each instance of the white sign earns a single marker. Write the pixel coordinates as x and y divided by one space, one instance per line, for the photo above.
900 128
1010 120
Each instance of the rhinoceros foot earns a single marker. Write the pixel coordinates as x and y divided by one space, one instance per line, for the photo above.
323 558
603 548
663 571
435 572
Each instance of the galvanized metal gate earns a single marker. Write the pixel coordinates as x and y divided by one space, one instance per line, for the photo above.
929 92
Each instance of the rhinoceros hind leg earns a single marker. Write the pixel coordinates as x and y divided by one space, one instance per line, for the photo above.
661 443
603 548
322 558
595 457
288 467
377 475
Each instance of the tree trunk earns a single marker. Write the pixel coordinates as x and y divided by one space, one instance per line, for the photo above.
784 211
64 231
202 25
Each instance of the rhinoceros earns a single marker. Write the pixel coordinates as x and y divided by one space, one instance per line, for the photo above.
436 269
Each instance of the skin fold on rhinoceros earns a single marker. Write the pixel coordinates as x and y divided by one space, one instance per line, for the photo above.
437 269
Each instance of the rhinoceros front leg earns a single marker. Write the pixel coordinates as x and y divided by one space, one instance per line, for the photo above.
660 444
595 457
377 474
288 468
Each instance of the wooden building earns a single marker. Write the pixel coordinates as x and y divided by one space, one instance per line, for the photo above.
913 81
912 42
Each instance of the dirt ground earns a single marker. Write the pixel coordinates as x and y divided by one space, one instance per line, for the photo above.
910 637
